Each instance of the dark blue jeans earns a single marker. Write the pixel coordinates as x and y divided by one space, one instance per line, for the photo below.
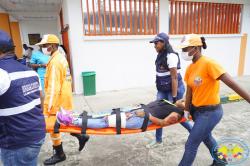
24 156
204 123
168 95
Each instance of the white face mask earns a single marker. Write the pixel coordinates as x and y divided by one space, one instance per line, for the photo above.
186 57
45 51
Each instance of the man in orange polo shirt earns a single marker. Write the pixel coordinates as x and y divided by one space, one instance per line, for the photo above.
58 92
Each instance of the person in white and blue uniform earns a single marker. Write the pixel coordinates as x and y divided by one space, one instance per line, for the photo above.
169 82
38 62
22 124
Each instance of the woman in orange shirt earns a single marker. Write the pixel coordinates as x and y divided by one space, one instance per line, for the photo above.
202 97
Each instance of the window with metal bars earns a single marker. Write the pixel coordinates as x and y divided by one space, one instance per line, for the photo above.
120 17
204 17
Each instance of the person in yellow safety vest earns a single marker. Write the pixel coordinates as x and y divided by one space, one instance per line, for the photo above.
58 93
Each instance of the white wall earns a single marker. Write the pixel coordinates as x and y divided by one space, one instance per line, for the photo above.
164 21
42 27
124 62
58 25
245 29
226 51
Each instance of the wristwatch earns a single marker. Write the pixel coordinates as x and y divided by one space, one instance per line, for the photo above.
40 65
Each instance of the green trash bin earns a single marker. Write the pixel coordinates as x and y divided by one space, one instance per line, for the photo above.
89 83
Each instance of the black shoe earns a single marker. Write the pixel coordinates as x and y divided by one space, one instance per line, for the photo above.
54 159
57 157
219 163
82 138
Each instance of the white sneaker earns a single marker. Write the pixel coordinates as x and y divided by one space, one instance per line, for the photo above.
154 144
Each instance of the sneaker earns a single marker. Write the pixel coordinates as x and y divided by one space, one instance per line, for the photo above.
154 144
64 117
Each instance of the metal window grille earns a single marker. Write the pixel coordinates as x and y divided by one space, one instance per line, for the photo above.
204 17
120 17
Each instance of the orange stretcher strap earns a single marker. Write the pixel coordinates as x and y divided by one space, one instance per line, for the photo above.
50 123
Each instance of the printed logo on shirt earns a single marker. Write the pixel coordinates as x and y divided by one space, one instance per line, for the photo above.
197 80
30 88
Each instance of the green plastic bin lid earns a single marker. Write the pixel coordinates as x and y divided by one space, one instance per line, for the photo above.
88 73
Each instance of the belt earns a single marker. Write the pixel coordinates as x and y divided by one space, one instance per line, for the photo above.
205 108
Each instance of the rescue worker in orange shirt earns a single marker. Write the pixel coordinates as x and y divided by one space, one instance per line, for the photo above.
203 78
58 93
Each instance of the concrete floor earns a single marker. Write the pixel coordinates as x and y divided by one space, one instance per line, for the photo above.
130 150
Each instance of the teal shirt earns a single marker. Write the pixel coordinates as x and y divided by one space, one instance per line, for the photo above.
38 57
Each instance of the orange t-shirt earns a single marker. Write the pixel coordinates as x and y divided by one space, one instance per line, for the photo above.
202 77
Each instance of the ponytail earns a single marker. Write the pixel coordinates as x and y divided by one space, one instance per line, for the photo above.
204 45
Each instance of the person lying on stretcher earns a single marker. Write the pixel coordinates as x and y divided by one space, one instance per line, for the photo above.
160 112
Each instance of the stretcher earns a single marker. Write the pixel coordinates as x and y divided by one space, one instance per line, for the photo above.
53 126
50 123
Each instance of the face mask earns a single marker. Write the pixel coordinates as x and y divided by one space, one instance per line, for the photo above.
45 51
185 56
